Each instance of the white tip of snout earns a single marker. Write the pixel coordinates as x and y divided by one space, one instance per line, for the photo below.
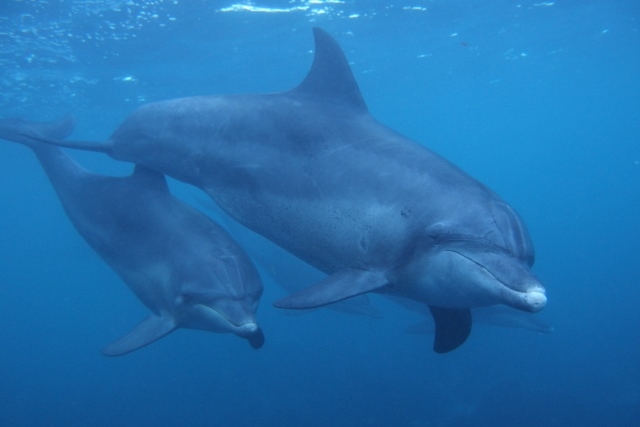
247 329
535 300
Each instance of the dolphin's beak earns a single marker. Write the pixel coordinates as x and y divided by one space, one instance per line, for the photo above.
249 331
510 278
235 319
243 324
532 300
253 334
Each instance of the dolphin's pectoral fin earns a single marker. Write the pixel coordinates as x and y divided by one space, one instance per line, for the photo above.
453 326
346 283
149 330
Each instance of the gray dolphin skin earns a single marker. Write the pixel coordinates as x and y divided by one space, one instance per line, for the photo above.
182 265
289 272
311 170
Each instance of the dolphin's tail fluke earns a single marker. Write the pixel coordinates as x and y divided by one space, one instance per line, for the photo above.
30 133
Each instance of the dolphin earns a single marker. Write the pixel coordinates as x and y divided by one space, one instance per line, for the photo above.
182 265
311 170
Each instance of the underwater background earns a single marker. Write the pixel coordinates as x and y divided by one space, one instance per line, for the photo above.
538 100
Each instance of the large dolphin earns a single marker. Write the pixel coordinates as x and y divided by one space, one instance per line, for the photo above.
182 265
314 172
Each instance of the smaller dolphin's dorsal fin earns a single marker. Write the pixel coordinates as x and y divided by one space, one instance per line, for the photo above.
151 178
330 76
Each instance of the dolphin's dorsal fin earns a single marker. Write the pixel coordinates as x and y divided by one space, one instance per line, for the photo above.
151 178
330 76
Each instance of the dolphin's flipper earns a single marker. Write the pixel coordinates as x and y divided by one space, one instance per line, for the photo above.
149 330
453 326
346 283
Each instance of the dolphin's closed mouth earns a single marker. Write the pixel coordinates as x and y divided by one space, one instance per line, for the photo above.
533 299
241 329
482 267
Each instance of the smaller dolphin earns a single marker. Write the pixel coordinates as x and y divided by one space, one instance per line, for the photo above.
182 265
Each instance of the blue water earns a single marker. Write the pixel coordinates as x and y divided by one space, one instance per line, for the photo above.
538 100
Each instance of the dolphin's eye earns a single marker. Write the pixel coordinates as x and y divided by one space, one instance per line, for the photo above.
437 232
